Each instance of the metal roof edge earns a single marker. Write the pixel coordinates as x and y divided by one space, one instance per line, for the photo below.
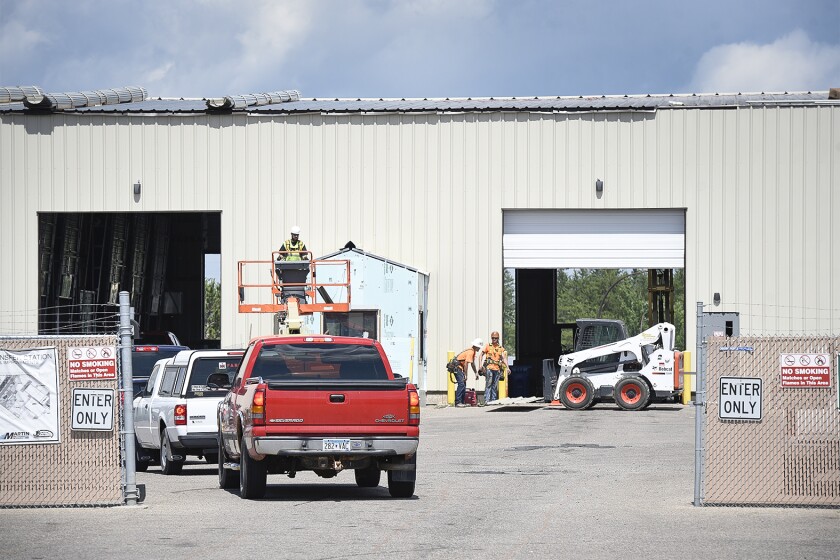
371 255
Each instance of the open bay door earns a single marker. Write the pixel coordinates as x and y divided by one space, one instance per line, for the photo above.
538 243
594 238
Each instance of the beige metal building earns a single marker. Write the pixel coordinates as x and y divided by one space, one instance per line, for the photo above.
742 191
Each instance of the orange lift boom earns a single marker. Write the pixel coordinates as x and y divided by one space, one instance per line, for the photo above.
294 283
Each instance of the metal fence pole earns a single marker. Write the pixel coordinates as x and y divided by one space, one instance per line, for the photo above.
699 405
127 400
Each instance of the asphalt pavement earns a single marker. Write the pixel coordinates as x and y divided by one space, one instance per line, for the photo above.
493 482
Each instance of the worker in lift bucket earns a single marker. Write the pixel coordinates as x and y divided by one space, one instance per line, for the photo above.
293 281
293 249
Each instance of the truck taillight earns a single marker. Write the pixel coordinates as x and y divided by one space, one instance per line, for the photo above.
258 406
180 414
413 408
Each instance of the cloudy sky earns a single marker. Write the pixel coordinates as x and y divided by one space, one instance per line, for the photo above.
421 48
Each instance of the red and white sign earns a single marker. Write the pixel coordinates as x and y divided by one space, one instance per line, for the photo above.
805 370
86 363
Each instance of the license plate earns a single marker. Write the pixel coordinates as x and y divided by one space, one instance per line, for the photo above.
336 445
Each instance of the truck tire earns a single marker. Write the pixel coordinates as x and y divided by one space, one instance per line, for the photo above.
167 464
400 488
252 475
632 393
227 478
577 393
141 457
368 477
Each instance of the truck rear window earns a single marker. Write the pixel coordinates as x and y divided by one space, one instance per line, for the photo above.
142 362
310 361
203 368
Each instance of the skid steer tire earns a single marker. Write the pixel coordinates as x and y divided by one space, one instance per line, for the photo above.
632 393
577 393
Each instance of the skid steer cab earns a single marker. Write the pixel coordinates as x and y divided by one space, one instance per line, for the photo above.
293 288
633 372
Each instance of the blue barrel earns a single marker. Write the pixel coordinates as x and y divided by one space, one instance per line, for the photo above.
520 380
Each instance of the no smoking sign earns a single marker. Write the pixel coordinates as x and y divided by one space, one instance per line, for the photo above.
805 370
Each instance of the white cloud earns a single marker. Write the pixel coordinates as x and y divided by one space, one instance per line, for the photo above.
17 40
446 8
158 73
791 63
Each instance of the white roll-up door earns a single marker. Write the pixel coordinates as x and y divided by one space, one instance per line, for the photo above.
594 238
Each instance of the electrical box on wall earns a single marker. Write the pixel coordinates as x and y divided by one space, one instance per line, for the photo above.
721 323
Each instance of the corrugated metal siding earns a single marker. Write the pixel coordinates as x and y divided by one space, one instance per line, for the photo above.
760 185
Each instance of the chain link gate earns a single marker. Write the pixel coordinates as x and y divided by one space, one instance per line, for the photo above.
788 457
84 468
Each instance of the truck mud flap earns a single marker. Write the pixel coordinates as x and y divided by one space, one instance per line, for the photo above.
403 471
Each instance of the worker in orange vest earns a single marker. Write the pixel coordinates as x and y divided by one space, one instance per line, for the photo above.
464 358
493 360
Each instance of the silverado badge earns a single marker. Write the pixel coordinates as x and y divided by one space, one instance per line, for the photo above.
389 419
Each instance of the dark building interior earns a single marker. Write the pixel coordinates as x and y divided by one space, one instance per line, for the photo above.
86 259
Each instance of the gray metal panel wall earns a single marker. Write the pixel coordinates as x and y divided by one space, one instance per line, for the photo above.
760 186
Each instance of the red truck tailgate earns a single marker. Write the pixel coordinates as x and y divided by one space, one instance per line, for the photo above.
375 406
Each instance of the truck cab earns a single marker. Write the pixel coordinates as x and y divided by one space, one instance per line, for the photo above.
175 414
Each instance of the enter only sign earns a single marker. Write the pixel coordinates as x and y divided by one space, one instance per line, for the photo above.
740 398
93 410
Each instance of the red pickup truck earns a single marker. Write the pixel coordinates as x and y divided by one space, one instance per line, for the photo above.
318 403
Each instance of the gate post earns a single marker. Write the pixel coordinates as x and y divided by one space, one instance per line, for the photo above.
699 405
127 400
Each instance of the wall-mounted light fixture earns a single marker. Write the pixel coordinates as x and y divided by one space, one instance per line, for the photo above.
716 299
599 186
137 187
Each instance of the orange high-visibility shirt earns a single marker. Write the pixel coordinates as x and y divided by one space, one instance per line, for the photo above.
465 357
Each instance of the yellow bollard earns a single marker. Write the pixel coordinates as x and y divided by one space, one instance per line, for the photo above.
503 384
450 386
688 377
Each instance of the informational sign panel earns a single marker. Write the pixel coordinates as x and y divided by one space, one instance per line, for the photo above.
740 398
88 363
29 396
93 410
805 370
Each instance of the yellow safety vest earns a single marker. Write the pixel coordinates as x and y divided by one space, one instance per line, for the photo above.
292 250
493 357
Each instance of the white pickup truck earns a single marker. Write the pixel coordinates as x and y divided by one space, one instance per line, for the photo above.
175 415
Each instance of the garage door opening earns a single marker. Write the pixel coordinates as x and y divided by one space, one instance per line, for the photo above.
564 265
86 259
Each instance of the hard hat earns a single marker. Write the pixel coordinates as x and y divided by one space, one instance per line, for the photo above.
477 343
295 230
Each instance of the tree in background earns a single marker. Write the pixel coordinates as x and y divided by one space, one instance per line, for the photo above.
212 309
509 312
617 294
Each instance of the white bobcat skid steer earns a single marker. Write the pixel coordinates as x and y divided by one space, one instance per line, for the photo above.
633 371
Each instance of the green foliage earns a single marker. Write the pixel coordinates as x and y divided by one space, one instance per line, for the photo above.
509 311
614 294
212 309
